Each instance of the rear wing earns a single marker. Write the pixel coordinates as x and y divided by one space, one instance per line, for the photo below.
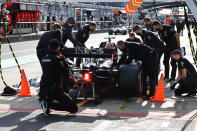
90 53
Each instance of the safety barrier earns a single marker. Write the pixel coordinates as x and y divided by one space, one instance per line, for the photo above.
11 49
34 26
190 38
195 33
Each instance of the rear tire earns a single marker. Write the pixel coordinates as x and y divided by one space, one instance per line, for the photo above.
110 32
131 82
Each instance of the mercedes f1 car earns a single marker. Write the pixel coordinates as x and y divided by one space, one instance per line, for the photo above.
97 73
117 30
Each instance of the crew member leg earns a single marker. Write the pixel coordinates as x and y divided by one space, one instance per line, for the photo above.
174 69
144 84
159 65
144 81
153 75
187 85
166 64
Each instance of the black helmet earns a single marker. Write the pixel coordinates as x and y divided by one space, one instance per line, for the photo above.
71 20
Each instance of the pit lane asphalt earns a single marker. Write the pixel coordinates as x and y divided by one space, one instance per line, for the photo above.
114 113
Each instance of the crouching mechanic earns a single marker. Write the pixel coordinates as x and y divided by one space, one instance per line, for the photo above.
140 52
187 76
132 38
52 86
83 35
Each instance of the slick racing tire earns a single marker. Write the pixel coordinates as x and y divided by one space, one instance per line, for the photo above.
110 32
130 79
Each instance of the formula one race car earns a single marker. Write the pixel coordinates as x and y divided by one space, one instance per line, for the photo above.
98 73
117 30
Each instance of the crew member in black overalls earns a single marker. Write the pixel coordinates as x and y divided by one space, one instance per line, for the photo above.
132 38
172 41
140 52
42 47
83 35
52 86
148 25
187 76
150 39
68 34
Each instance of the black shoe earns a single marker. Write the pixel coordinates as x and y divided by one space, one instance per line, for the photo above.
172 87
45 107
146 97
152 93
170 80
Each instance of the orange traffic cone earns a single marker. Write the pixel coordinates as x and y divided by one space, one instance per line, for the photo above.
161 78
159 94
25 90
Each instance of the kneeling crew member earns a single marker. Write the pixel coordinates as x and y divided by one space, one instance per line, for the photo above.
187 76
52 86
140 52
132 38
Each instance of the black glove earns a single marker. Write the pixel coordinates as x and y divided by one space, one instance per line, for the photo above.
172 87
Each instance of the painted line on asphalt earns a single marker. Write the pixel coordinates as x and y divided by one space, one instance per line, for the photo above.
120 115
124 106
7 63
82 103
126 117
18 52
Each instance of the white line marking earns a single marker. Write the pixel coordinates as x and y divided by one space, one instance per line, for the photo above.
19 51
102 126
21 43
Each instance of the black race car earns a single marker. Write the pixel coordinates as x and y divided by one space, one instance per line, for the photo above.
98 72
